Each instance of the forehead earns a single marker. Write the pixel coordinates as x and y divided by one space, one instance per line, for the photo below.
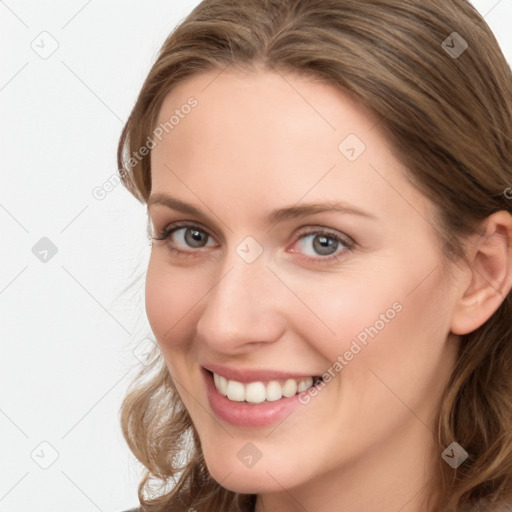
276 109
261 138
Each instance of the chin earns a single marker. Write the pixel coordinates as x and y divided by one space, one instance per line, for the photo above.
248 481
264 477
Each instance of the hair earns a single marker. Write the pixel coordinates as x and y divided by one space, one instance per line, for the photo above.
448 119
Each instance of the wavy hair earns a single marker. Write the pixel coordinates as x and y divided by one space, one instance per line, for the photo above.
449 120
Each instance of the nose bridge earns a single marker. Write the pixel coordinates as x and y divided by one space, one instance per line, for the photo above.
240 307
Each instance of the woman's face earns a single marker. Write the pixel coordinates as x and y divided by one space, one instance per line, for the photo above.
295 248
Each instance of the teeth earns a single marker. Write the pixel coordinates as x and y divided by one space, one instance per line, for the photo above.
258 392
305 384
235 391
274 391
290 387
255 392
221 383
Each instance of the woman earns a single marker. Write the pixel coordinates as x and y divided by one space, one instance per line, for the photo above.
331 264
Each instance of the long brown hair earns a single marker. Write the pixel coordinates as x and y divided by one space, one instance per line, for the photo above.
445 108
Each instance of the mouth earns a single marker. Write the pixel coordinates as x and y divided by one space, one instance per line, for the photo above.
260 391
251 398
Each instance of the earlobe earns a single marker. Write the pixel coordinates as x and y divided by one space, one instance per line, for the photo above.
490 267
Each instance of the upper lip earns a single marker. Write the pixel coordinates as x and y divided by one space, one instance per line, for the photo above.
253 374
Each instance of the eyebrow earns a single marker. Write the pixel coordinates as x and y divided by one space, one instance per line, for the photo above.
274 217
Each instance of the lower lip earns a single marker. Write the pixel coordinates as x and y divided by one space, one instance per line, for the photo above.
242 414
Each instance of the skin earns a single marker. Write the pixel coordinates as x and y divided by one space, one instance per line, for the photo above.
258 141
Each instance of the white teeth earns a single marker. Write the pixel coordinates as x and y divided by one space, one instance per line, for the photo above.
274 391
290 388
305 384
257 392
222 386
235 391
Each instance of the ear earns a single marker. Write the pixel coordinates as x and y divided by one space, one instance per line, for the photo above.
489 276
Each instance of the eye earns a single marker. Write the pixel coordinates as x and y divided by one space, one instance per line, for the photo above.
185 236
320 245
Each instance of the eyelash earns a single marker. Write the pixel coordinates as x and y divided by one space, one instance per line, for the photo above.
346 242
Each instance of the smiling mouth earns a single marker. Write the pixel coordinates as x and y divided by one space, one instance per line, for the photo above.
258 392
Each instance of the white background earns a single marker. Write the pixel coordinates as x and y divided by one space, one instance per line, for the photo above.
68 332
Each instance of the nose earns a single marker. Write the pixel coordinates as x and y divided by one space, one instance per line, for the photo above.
243 309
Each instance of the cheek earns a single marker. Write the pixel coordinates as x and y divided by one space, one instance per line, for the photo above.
343 309
381 315
402 336
170 296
